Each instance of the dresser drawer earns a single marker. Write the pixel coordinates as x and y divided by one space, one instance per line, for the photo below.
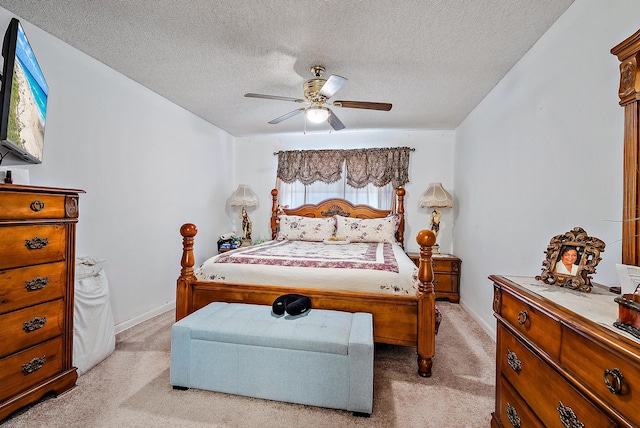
31 245
20 371
595 365
557 400
27 286
513 411
534 324
27 327
21 206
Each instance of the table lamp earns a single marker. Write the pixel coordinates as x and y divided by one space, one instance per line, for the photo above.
436 197
244 197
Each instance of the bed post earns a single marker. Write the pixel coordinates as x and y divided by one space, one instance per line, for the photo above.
426 304
274 213
183 287
400 211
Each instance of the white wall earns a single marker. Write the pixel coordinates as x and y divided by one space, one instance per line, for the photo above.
542 153
431 161
147 165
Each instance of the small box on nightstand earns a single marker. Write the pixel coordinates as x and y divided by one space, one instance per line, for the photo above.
446 272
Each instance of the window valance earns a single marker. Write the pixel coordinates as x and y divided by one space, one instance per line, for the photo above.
309 166
379 166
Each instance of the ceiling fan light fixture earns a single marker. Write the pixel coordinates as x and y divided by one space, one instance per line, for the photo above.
316 93
318 114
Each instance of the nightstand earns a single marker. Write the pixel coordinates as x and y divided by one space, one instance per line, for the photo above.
446 272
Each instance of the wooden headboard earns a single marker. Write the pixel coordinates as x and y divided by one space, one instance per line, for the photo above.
336 206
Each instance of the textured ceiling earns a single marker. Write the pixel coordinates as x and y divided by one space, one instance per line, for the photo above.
434 60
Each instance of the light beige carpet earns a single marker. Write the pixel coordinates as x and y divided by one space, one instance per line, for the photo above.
131 388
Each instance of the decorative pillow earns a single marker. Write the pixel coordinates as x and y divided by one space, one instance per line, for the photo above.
368 230
298 228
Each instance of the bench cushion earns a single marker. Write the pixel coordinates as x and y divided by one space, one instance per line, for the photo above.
316 331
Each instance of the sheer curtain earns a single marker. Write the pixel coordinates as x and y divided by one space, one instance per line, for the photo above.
296 194
361 176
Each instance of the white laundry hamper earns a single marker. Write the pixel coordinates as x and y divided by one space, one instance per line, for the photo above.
94 336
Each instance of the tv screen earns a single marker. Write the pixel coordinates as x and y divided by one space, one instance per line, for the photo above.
24 97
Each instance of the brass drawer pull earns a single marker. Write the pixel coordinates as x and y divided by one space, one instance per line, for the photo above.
568 417
513 361
523 316
513 416
613 380
37 205
36 243
33 325
36 283
34 365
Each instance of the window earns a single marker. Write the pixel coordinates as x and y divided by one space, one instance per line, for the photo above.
296 194
361 176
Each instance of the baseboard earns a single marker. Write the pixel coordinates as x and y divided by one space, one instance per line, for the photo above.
169 306
491 332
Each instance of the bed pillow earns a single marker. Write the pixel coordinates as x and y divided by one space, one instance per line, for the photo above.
368 230
298 228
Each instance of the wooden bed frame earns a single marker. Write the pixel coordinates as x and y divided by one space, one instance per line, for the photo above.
397 320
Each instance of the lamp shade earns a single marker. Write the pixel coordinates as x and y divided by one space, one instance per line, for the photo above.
243 197
436 196
317 114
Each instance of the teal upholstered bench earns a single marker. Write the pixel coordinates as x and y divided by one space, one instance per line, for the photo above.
321 358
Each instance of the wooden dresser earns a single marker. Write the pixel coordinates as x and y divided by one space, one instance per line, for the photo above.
37 262
560 360
446 272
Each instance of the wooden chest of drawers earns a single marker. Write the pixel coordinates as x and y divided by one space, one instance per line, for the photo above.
37 261
446 273
560 360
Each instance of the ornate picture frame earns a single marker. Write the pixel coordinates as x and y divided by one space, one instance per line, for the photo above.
571 258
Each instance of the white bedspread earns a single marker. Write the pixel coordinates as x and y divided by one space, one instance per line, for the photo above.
367 267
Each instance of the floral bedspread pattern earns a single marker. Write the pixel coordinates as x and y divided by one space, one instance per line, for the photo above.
365 267
364 255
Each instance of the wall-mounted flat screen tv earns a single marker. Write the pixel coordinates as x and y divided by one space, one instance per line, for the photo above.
23 97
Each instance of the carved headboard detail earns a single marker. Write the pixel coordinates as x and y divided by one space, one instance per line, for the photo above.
335 210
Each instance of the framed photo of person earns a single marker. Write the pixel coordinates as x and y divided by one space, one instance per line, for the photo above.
572 258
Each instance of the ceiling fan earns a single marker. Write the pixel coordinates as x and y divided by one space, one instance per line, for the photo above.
316 93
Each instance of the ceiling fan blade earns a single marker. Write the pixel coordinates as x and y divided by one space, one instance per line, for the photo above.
335 123
274 97
332 85
363 104
286 116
